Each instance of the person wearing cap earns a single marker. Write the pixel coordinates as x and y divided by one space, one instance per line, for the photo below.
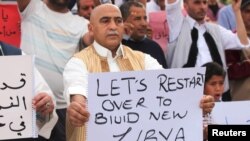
194 42
238 62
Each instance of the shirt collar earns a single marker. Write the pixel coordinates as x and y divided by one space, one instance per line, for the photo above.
104 52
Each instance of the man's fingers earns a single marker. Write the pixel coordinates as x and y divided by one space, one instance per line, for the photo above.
207 104
77 114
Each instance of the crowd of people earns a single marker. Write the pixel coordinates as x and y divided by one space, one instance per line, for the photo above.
68 45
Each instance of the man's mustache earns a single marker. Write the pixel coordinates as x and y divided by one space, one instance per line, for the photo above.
113 32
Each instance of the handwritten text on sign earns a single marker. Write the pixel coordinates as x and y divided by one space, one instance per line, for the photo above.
16 97
146 105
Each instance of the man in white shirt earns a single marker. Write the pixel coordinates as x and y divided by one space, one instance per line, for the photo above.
52 33
208 40
107 54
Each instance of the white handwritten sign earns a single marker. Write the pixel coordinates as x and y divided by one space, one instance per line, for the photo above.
235 112
146 105
16 93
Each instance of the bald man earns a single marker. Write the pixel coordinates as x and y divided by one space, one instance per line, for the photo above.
106 26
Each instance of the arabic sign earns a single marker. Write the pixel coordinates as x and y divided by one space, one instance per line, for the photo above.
235 112
146 105
16 93
158 23
10 26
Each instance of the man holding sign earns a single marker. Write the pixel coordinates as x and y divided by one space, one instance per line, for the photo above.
106 54
43 101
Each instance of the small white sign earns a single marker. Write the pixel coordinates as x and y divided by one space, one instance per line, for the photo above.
16 93
235 112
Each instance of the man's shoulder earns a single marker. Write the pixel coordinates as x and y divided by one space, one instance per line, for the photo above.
128 49
77 23
79 18
212 25
151 44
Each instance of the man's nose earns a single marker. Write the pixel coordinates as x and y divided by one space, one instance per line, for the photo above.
113 24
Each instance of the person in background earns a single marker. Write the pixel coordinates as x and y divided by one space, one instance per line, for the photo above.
194 42
120 2
43 101
214 86
52 33
238 62
214 80
85 7
134 14
214 7
155 6
106 54
226 18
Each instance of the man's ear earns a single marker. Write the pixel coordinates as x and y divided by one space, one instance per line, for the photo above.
90 27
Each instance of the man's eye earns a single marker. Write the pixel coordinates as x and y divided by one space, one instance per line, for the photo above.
137 19
119 21
85 8
104 21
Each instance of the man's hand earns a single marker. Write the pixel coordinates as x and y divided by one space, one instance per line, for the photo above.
43 103
128 28
77 111
236 5
149 32
207 104
87 39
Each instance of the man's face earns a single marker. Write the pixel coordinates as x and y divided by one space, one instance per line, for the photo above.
196 9
60 3
215 87
85 8
107 27
138 19
246 17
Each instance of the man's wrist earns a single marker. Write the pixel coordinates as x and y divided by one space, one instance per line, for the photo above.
77 98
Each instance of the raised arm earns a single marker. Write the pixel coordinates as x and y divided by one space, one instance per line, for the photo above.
22 4
240 27
173 9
